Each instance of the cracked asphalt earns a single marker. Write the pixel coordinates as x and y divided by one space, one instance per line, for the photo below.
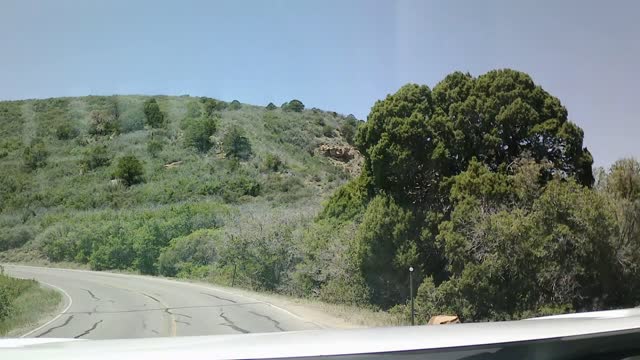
118 306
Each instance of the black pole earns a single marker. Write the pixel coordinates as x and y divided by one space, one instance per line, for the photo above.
411 294
233 278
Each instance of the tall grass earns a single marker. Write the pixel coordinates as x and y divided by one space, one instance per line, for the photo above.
26 303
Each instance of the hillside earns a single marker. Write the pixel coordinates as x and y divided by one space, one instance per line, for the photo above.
481 185
63 199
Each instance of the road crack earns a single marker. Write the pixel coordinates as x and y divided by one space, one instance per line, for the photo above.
276 323
92 295
95 325
172 330
168 311
66 322
152 298
232 325
219 297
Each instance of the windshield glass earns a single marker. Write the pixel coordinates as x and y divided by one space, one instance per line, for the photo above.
189 168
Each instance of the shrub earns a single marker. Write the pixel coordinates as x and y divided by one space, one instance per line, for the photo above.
293 105
15 237
271 106
129 170
193 109
66 131
327 131
102 123
154 147
272 162
115 253
35 155
154 117
131 119
10 290
212 105
197 248
5 302
235 105
95 157
348 131
236 144
198 132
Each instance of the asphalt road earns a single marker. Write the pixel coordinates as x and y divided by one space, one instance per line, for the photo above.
102 305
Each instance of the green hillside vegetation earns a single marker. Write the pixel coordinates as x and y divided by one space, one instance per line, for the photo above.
482 184
127 182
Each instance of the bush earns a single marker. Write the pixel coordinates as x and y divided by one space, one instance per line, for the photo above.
235 105
5 303
327 131
95 157
66 131
131 122
35 155
198 132
129 170
273 163
154 117
271 106
212 105
15 237
293 105
234 188
10 289
55 243
386 236
102 123
154 147
197 248
236 144
193 110
115 253
348 132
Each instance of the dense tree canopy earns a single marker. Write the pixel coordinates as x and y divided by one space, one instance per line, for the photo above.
463 183
417 137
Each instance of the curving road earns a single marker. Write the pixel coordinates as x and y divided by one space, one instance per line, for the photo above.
102 305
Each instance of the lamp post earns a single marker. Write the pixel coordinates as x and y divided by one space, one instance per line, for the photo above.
411 294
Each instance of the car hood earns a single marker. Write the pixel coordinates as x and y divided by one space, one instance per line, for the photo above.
617 330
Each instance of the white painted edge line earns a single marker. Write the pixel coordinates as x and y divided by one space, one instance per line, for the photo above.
55 318
155 278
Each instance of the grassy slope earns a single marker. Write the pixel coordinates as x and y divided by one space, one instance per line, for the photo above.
32 203
29 307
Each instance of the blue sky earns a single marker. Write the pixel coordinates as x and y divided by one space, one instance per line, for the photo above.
335 55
